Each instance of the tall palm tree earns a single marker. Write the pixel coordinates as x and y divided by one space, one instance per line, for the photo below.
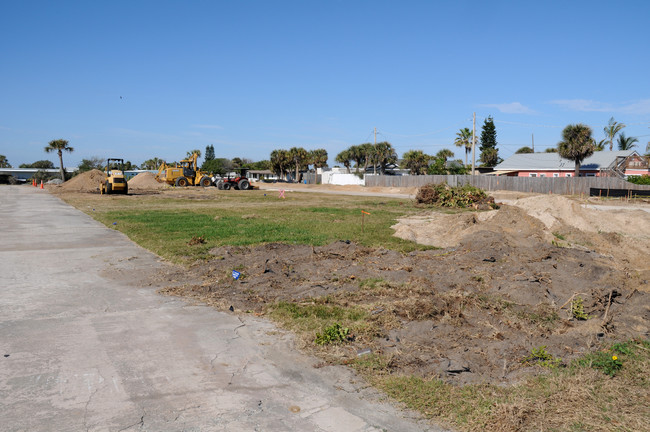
612 128
464 139
59 146
626 143
576 144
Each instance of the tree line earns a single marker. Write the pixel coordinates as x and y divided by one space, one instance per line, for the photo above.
577 144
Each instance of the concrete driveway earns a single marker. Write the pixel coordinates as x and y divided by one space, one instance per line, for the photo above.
86 345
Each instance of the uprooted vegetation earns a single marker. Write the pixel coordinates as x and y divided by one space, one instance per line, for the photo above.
498 329
443 195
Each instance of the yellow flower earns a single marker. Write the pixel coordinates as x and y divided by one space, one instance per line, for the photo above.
614 358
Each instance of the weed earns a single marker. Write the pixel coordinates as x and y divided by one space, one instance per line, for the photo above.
559 236
543 358
334 333
578 309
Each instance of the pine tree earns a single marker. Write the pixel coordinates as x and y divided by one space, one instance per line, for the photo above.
489 151
209 153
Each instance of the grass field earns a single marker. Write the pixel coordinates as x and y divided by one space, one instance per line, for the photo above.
581 396
165 225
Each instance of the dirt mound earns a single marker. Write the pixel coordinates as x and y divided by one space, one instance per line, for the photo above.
85 182
557 211
623 235
146 181
468 314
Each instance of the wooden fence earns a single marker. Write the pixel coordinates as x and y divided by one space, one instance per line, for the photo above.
554 185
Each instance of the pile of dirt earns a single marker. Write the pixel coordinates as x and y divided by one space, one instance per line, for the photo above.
146 181
466 314
85 182
623 235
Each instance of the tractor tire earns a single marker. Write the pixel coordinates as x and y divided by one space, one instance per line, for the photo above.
109 188
244 185
220 185
126 190
226 186
205 181
181 182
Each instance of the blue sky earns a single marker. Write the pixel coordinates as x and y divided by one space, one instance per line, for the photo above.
141 79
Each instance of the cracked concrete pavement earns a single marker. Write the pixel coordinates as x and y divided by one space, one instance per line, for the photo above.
86 346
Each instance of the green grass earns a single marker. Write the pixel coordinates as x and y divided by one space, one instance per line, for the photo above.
166 224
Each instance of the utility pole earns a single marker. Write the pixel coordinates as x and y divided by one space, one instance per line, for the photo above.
474 145
533 136
375 136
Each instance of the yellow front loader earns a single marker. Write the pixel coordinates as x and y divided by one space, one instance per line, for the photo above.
183 174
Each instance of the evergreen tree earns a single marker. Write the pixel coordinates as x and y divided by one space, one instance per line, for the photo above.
209 153
489 151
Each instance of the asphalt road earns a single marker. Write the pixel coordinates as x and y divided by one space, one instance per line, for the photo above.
86 345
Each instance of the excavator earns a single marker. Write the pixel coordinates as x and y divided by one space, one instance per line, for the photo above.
183 174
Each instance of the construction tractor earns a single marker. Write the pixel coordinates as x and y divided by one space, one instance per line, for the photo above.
240 182
115 182
183 174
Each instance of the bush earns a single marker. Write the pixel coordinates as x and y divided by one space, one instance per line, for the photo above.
640 180
444 195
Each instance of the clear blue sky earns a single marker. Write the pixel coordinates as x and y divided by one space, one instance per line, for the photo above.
142 79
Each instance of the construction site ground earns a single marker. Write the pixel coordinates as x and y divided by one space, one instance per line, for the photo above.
493 286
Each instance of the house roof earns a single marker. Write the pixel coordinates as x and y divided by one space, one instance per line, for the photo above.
553 162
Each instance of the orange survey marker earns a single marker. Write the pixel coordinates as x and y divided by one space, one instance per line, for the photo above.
363 214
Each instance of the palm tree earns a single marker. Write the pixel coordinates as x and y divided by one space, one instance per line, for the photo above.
344 158
191 152
357 155
600 145
4 162
445 154
368 150
59 146
626 143
318 158
279 162
464 139
384 155
612 128
299 157
417 161
576 144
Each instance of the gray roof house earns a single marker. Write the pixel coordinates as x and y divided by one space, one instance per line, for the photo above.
552 165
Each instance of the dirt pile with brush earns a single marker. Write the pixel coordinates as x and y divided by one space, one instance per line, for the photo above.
470 312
